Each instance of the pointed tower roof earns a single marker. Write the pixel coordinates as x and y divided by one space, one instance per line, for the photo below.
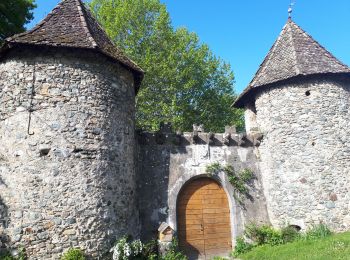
295 53
70 24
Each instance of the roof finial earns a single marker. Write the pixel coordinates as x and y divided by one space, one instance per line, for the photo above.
290 9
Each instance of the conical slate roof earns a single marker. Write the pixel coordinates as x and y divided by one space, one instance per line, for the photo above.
71 24
295 53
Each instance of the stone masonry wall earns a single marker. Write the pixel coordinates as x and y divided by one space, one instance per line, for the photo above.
250 119
67 173
166 162
305 153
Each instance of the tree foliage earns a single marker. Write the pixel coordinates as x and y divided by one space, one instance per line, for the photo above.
184 83
14 14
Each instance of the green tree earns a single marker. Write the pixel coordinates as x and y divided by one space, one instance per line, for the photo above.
14 14
184 82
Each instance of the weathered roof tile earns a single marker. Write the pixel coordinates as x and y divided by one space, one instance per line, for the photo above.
294 53
71 24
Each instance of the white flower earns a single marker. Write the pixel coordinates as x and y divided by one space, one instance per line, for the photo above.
137 247
127 250
123 250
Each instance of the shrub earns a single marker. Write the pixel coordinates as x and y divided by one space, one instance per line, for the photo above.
6 255
241 247
73 254
317 231
213 169
289 234
174 253
125 249
246 175
150 250
238 180
263 234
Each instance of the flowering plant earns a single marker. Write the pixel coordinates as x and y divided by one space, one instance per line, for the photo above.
124 250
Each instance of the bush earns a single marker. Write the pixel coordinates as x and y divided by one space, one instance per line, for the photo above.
317 231
174 253
125 249
238 180
289 234
241 247
73 254
150 250
6 255
264 234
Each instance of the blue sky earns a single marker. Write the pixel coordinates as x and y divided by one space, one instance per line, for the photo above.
241 32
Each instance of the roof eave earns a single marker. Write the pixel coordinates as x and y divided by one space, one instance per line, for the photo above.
239 102
248 95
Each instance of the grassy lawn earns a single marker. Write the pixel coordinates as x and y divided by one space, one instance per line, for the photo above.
330 248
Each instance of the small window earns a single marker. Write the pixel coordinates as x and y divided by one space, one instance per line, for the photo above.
307 93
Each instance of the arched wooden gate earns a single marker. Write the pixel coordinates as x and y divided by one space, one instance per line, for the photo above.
203 220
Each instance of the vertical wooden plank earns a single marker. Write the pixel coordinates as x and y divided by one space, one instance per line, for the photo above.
190 220
203 212
216 219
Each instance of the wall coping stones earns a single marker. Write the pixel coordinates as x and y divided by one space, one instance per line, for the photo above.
228 138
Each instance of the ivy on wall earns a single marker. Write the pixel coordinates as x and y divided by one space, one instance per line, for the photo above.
238 180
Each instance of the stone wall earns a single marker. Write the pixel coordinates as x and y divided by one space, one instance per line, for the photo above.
67 173
305 153
166 162
250 119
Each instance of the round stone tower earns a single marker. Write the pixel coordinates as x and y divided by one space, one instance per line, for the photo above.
300 100
67 173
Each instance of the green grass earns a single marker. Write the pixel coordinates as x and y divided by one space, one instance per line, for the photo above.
330 248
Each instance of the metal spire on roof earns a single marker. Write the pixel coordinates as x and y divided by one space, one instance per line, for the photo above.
290 9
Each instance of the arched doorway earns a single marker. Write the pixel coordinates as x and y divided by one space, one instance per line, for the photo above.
203 220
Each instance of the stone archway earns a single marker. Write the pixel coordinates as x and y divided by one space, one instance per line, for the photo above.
203 219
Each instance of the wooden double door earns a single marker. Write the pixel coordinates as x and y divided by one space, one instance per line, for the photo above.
203 220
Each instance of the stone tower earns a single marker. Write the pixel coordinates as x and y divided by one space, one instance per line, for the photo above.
67 173
300 100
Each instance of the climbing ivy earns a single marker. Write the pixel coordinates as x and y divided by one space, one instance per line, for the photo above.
239 180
